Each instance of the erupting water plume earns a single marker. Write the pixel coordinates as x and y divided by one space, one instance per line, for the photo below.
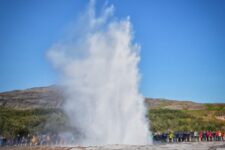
99 65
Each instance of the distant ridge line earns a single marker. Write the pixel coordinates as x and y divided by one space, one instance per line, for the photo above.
53 97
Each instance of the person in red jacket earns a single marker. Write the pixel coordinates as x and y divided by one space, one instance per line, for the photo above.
217 135
222 135
200 136
210 135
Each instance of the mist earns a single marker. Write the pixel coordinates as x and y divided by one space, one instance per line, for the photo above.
98 62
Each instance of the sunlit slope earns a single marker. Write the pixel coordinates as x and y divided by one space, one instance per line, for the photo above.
168 115
39 110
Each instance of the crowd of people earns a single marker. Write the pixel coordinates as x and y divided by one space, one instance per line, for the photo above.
56 139
189 136
36 139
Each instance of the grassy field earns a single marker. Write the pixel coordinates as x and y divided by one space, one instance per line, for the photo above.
13 122
163 120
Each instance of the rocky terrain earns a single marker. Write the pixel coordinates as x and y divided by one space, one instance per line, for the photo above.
42 97
52 97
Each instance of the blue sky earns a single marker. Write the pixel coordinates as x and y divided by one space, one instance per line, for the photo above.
183 44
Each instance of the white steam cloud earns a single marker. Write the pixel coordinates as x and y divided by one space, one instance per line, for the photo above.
99 65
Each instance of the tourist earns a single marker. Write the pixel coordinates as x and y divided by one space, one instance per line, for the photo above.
1 140
171 136
196 136
200 136
223 136
220 135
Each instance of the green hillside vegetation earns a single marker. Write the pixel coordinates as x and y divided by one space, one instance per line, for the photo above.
174 115
163 120
13 121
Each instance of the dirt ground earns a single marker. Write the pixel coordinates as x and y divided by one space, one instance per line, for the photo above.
178 146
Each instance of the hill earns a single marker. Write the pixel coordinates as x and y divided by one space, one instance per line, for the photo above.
40 110
41 97
185 115
52 97
158 103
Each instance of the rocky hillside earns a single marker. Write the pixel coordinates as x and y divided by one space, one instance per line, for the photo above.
173 104
52 97
42 97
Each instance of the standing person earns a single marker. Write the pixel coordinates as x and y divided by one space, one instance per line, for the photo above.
200 136
34 140
181 136
17 141
1 140
192 136
164 137
217 135
48 140
23 140
171 136
210 135
176 136
207 135
29 137
214 136
62 140
222 134
188 136
196 137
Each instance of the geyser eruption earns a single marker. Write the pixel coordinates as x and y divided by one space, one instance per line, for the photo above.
99 65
